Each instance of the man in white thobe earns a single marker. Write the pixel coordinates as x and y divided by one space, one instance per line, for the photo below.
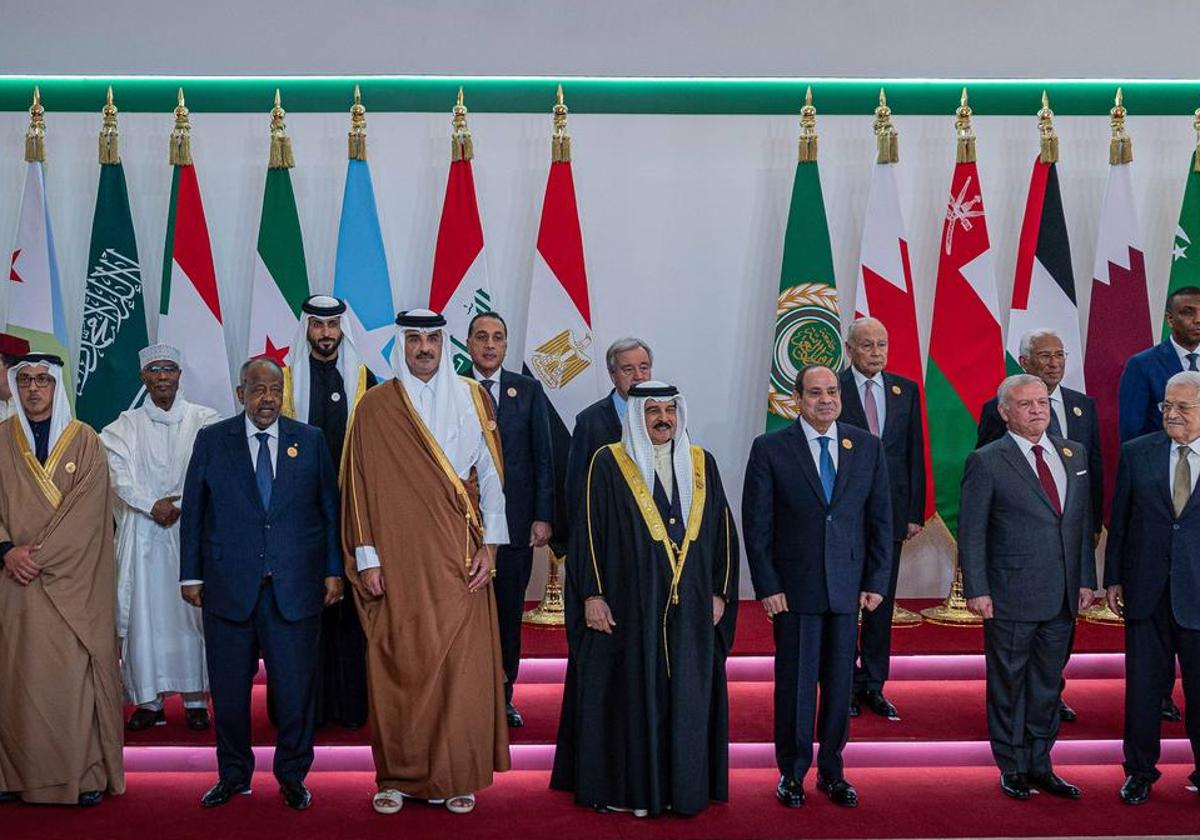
162 639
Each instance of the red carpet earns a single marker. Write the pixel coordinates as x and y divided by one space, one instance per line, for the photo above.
930 802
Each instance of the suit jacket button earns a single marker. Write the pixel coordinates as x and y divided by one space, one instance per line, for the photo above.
1175 527
829 517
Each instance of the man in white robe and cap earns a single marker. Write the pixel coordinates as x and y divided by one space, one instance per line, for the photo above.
162 639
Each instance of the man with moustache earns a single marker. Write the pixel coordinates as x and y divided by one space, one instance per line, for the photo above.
1152 578
259 555
889 407
819 547
1025 547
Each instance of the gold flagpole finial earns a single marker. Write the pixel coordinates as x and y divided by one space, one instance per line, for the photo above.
35 135
358 128
281 144
807 151
560 141
461 145
109 150
1120 147
181 136
966 134
886 137
1048 152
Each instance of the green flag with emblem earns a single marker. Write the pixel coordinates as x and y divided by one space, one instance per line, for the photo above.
1185 250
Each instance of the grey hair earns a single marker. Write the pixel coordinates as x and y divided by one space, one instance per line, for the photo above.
1032 336
255 362
1015 381
1186 377
862 322
623 345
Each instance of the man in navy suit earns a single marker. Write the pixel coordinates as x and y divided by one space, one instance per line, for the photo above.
889 407
819 546
1152 577
630 361
261 557
527 450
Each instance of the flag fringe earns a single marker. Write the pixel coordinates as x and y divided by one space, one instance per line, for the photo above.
110 152
1120 147
807 150
281 144
181 136
887 139
966 135
35 136
1048 152
357 139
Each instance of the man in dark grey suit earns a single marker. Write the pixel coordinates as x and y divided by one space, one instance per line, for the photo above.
1025 547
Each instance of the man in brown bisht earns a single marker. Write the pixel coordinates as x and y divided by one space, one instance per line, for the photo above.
422 514
60 693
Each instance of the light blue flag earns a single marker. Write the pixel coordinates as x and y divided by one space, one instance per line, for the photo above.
360 275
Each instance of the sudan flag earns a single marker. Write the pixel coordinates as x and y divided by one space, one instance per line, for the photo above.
1185 250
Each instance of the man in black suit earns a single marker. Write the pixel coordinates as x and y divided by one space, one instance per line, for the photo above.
1072 415
260 555
819 545
524 419
630 361
889 407
1028 562
1152 577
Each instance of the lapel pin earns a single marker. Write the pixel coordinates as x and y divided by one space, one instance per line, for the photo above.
491 425
335 396
293 451
70 467
1067 453
896 390
1078 411
512 392
846 444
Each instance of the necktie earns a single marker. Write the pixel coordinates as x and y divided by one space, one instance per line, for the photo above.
1183 481
1056 428
1044 476
828 471
264 476
487 386
870 406
1191 357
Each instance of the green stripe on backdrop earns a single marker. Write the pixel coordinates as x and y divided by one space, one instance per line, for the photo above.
435 94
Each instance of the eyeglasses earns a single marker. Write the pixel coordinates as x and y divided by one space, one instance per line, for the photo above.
1051 356
161 369
1183 408
42 380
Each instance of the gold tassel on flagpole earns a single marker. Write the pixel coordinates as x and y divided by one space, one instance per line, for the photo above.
886 137
461 146
358 128
35 136
281 144
808 130
560 142
1049 139
1120 147
966 135
109 151
181 137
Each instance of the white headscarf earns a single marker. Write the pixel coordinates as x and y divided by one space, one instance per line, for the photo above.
451 394
299 355
60 414
636 440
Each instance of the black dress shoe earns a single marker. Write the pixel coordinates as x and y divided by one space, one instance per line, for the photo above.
296 795
874 700
855 711
1065 712
514 717
1054 785
839 791
143 719
1170 711
1015 785
197 719
1135 791
90 798
9 796
222 792
790 792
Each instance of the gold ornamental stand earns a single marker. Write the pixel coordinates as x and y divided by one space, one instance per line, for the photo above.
953 611
549 613
904 618
1099 613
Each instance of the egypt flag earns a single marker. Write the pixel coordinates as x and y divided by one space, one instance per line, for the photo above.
885 290
190 316
966 350
1044 287
280 272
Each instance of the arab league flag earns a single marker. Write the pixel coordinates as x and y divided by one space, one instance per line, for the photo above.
1185 250
1044 287
280 272
966 350
360 275
190 316
35 304
114 310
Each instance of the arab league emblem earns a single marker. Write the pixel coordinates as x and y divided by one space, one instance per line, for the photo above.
70 467
807 332
293 451
1067 453
512 392
896 390
1078 411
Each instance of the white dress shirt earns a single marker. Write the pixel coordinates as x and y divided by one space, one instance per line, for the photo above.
814 446
272 442
860 382
1059 408
1183 354
1193 463
1053 460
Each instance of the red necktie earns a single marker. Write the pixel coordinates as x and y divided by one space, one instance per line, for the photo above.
1044 476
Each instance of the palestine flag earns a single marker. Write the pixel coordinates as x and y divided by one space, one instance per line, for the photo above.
1185 260
807 323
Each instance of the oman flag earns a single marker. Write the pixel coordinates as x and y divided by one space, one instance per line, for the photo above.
966 350
1185 250
190 311
459 288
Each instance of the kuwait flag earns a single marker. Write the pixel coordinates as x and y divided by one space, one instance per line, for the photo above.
1044 288
190 313
35 304
280 272
966 350
1185 266
885 289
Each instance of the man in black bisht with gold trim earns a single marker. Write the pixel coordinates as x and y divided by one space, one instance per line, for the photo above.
651 608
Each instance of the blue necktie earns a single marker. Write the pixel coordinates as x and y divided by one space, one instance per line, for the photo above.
1191 357
264 476
828 471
